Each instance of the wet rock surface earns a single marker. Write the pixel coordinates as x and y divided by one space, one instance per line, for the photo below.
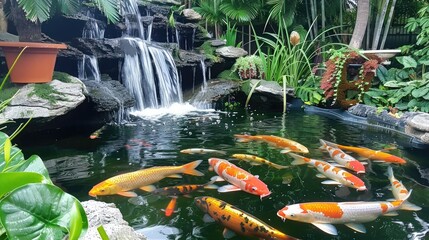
106 214
231 52
108 96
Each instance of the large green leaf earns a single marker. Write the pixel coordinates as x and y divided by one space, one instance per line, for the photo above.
16 180
40 211
420 92
407 61
16 155
34 164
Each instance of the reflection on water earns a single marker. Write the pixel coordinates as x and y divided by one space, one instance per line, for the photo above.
78 163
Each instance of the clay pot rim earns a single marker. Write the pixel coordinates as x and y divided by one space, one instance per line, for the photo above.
33 45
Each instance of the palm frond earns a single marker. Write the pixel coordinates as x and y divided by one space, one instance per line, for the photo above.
240 10
68 6
36 10
110 9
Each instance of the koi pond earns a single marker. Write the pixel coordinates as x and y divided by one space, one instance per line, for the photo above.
76 164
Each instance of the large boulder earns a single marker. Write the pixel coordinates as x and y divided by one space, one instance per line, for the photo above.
108 96
107 215
45 101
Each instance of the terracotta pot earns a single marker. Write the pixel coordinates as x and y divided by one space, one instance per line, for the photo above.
36 64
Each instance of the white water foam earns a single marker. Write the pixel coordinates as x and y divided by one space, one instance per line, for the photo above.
174 110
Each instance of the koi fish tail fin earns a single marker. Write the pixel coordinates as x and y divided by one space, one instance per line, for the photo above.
323 143
407 206
243 138
277 166
328 143
189 168
299 160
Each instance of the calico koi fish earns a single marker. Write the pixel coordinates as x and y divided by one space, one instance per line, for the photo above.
255 160
239 178
286 144
183 189
237 221
400 192
123 183
352 214
342 158
338 175
202 151
370 154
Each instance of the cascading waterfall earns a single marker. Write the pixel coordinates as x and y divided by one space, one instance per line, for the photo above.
204 72
148 72
88 67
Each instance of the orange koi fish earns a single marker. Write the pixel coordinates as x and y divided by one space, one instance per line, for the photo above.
400 192
239 178
370 154
183 189
96 134
237 221
169 210
255 160
338 175
352 214
286 144
123 183
202 151
342 158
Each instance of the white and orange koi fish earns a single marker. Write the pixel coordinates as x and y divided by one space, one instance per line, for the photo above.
400 192
286 144
352 214
202 151
337 175
342 158
239 178
375 155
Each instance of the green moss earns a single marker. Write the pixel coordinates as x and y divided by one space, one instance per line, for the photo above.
7 93
209 51
45 91
63 77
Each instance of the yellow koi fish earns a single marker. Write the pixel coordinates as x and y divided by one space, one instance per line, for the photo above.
400 192
237 221
255 160
96 134
286 144
123 183
370 154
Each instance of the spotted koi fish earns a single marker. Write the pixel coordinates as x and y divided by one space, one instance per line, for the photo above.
239 178
337 175
400 192
343 159
237 221
123 183
352 214
255 160
370 154
202 151
183 189
286 144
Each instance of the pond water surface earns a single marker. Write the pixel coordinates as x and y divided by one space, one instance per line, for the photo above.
76 164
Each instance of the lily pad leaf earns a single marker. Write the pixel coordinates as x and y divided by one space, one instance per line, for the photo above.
39 211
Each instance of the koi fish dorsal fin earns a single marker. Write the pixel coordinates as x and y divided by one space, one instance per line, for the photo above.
328 143
189 168
390 172
327 228
228 233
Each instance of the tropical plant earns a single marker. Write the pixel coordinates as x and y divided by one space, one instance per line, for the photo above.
403 89
249 67
27 15
230 35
